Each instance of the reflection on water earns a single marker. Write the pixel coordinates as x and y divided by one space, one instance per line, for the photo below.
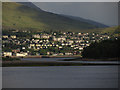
61 77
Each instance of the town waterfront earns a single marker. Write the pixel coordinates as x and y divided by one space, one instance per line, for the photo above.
61 77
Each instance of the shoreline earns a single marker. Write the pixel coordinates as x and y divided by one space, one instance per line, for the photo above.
43 63
45 56
89 59
65 62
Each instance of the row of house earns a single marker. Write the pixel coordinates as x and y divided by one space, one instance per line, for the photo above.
76 41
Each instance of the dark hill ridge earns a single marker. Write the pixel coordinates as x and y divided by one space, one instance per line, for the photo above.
30 4
21 16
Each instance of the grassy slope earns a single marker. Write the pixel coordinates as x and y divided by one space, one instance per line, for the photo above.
18 16
115 31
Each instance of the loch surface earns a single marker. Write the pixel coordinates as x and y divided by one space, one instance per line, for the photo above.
61 77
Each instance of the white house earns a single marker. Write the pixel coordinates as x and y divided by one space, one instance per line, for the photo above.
59 39
32 45
13 36
80 48
5 36
45 36
36 36
7 53
22 54
23 47
68 53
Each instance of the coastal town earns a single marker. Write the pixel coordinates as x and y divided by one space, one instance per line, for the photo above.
53 43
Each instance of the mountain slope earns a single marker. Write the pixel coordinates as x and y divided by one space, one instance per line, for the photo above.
19 16
100 25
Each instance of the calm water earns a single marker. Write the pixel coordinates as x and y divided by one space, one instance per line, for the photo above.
60 60
61 77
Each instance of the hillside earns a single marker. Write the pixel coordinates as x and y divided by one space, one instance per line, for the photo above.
114 31
100 25
22 17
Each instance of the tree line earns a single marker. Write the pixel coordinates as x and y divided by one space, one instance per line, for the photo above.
103 49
